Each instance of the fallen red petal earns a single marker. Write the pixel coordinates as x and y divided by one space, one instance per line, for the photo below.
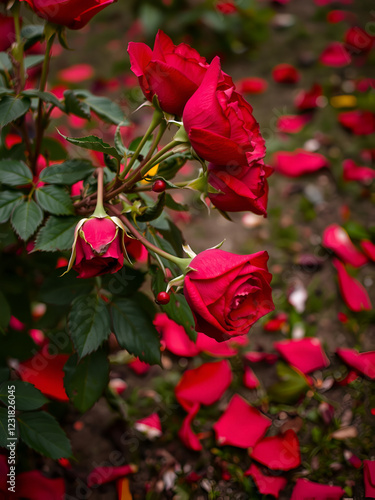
362 362
267 485
102 475
307 490
353 293
250 380
337 239
306 354
278 452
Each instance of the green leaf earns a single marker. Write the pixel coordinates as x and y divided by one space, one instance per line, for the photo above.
53 149
68 172
15 173
55 200
12 108
8 201
32 33
75 106
125 282
94 144
152 213
135 331
61 290
4 431
26 218
291 386
5 62
169 167
106 109
27 396
42 433
89 323
44 96
4 312
57 234
5 91
173 205
86 380
33 60
122 150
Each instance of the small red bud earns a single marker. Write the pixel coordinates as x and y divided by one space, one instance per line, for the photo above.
163 298
159 186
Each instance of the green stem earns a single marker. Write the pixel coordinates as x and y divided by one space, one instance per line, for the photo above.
99 209
40 126
156 120
17 29
181 263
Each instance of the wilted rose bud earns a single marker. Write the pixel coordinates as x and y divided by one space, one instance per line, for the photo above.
98 247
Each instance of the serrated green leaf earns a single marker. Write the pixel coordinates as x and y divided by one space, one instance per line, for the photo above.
169 167
89 323
61 290
122 150
26 218
8 201
153 212
42 433
68 172
93 143
4 429
75 106
12 108
27 396
5 62
104 107
5 91
54 200
5 313
125 282
15 173
173 205
44 96
57 234
32 33
86 380
135 331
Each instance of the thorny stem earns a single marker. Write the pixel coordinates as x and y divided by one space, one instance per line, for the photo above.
40 126
17 29
181 263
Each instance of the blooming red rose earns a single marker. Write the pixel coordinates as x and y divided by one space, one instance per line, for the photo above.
220 123
98 247
285 73
243 188
71 13
7 32
228 293
172 73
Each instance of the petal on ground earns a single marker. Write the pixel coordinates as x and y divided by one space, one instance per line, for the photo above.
267 485
362 362
306 354
280 452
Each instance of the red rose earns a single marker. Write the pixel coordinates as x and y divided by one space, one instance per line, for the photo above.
70 13
242 188
358 40
228 293
98 247
171 72
220 123
7 32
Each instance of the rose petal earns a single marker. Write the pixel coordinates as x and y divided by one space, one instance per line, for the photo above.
335 55
276 323
251 85
45 371
292 124
353 293
369 248
337 239
250 380
34 486
278 452
175 337
256 357
139 367
205 384
77 73
305 489
305 354
241 424
298 162
354 172
102 475
186 433
285 73
358 121
369 478
150 426
267 485
362 362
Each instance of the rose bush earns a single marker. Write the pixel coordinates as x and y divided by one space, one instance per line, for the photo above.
172 73
242 188
228 293
70 13
220 123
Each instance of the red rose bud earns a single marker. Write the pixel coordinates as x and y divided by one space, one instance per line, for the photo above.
98 247
7 36
159 186
163 298
172 73
228 293
241 188
220 124
70 13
